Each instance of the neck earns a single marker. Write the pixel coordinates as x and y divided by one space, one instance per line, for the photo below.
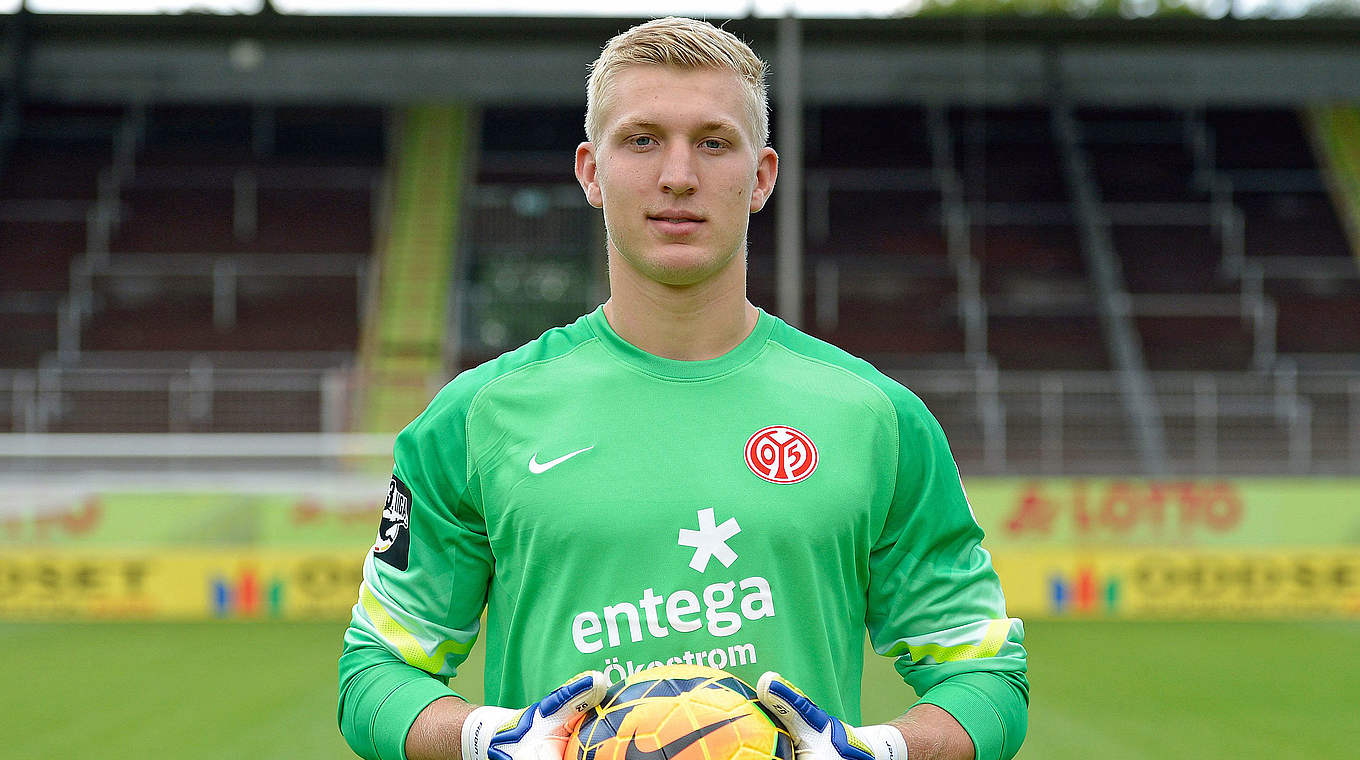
689 323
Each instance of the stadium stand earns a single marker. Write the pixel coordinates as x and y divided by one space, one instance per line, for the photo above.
200 233
1046 274
223 243
48 183
881 279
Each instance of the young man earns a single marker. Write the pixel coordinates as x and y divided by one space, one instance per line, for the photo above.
677 477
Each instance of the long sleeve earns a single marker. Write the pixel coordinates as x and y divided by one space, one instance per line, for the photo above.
935 603
424 586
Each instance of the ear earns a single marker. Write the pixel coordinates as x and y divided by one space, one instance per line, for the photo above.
767 169
587 174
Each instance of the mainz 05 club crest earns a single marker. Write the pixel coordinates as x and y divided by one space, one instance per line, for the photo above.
781 454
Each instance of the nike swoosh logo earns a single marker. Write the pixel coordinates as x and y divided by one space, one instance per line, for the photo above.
538 469
669 750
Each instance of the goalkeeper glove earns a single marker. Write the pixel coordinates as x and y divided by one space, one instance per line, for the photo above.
539 731
820 736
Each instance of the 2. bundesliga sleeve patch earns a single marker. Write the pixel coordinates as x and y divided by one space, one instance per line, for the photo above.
394 532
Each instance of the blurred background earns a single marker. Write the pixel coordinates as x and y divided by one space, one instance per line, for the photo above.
1113 246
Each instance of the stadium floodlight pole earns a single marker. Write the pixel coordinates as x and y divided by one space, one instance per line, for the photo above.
788 265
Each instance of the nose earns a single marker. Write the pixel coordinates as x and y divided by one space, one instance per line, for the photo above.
677 171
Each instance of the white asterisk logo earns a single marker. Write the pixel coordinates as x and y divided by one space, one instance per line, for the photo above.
710 540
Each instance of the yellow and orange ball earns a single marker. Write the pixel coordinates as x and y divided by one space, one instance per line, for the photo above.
680 712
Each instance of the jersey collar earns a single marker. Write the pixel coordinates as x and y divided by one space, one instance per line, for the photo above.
676 369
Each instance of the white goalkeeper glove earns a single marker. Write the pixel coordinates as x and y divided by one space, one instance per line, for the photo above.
539 731
820 736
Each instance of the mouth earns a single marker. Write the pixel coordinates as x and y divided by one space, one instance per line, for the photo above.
675 215
675 222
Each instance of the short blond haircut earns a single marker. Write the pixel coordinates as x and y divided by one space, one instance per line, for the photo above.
683 43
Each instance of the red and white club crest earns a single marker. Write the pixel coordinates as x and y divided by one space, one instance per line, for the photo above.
781 454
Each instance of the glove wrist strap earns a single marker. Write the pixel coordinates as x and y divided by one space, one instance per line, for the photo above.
478 728
886 742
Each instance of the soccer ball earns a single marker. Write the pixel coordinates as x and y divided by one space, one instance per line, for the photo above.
680 712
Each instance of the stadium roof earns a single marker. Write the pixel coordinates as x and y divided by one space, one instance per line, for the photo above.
991 30
524 60
700 8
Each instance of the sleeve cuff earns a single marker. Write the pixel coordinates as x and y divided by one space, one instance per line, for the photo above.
974 711
393 719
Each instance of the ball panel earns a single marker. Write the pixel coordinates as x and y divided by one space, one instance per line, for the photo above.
716 697
736 684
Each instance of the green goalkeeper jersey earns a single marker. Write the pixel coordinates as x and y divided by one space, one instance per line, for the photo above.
613 510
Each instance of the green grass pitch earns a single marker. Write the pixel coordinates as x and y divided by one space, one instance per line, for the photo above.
1101 691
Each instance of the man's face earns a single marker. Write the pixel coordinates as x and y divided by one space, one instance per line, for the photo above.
677 173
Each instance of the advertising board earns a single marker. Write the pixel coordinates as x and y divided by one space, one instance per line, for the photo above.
1184 512
1112 547
179 584
1264 583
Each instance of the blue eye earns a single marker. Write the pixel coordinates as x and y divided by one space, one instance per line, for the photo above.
642 141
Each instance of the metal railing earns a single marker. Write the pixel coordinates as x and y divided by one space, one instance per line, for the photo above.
222 272
1112 298
199 398
1279 422
347 463
1286 422
246 182
958 226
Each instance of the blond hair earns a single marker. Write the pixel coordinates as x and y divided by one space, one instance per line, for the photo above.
683 43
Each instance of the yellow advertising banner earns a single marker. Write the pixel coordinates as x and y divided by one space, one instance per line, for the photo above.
1118 547
1265 583
179 584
